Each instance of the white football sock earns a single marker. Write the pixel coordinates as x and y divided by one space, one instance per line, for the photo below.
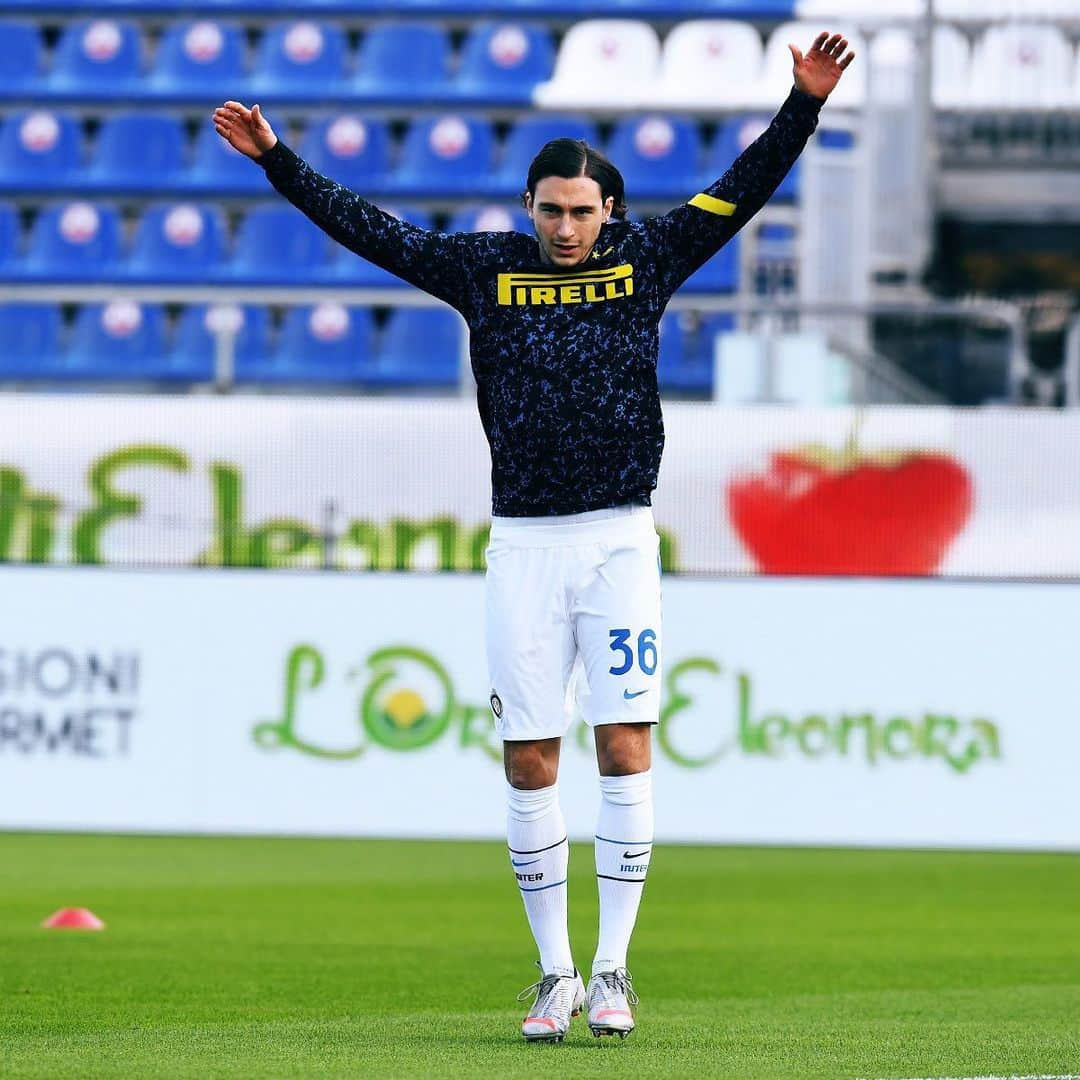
539 853
624 835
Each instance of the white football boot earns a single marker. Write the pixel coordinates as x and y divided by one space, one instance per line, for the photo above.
558 997
611 993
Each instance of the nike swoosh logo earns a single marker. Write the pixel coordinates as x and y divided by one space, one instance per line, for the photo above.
637 693
514 862
637 855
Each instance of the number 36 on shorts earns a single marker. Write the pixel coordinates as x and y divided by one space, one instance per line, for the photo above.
645 654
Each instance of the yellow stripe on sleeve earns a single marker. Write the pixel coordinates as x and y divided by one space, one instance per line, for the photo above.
713 206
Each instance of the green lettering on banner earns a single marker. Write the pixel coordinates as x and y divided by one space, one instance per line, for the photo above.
477 731
110 504
364 536
677 701
281 542
29 515
409 534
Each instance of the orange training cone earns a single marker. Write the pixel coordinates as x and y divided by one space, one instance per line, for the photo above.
73 918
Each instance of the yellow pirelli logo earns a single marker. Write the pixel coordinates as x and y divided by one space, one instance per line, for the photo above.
586 287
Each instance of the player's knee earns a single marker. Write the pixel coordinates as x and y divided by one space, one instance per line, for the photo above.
529 765
622 750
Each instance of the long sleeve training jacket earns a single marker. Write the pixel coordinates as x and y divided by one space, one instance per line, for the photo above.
564 359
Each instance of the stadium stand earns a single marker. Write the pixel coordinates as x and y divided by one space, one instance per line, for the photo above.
300 61
444 155
178 242
421 346
22 58
198 60
277 245
137 152
30 341
403 62
191 358
659 156
120 340
502 62
354 150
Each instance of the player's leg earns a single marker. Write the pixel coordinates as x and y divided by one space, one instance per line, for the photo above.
530 655
617 620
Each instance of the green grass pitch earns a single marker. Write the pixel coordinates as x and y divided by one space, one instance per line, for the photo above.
325 958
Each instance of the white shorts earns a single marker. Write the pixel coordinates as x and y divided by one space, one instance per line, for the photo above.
573 617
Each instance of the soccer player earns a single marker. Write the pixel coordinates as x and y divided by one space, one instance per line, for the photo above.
563 341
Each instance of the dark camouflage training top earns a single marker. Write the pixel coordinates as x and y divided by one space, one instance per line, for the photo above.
564 359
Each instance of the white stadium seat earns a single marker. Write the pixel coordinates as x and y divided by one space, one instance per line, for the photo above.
603 62
776 78
708 62
984 10
858 9
952 68
1022 65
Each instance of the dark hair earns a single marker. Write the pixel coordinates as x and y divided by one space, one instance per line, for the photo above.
571 158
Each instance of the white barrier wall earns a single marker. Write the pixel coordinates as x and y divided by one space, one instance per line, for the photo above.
252 482
824 712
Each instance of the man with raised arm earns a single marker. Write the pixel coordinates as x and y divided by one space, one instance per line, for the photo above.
563 342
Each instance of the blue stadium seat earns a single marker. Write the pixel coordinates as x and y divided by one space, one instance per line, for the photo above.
29 340
277 245
524 142
420 347
501 62
22 55
182 242
353 150
78 241
120 340
349 269
40 151
671 368
137 151
10 265
324 343
301 60
97 59
402 62
193 355
720 274
731 140
218 169
200 60
659 156
446 155
490 217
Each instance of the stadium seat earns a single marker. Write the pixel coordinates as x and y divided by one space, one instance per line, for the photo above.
347 268
502 62
659 156
603 62
674 369
303 60
403 62
219 169
720 274
705 61
353 150
120 340
22 58
952 68
78 241
490 217
731 140
193 355
1022 65
446 155
40 151
137 151
524 141
97 59
10 263
199 60
182 242
420 347
324 343
29 341
277 245
776 78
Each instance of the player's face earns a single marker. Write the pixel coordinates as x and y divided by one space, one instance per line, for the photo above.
567 215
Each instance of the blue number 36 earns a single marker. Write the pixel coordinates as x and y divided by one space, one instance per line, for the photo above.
646 651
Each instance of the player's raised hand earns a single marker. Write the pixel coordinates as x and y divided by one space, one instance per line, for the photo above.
245 129
818 72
